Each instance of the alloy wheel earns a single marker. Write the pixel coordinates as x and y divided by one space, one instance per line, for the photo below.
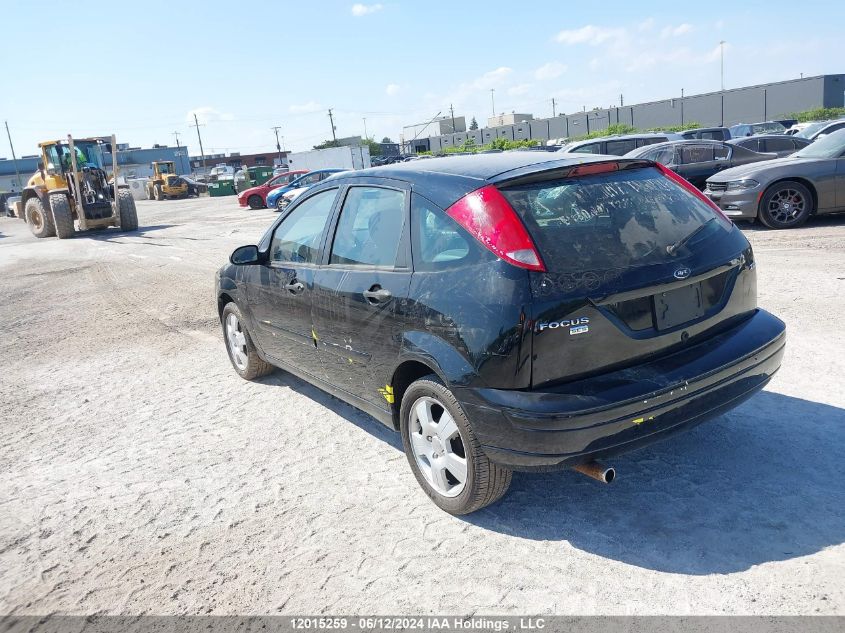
437 446
786 205
236 339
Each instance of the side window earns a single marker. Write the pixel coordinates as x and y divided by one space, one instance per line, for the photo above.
696 154
779 144
620 148
297 238
753 144
721 152
370 227
436 239
590 148
662 155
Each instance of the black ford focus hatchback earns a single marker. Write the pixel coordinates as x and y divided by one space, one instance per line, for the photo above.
507 312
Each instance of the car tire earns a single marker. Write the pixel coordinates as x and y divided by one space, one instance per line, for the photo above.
255 202
447 460
62 216
280 203
785 205
39 221
158 194
127 212
239 345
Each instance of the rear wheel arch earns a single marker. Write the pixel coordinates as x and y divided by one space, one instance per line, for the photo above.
404 376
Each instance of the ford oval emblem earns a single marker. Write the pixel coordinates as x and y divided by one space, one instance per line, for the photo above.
682 273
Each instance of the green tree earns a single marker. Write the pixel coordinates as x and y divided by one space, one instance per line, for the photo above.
386 139
327 144
473 125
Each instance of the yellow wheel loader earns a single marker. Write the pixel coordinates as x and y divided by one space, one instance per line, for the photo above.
72 191
165 182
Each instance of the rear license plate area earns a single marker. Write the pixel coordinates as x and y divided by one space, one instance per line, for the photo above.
675 307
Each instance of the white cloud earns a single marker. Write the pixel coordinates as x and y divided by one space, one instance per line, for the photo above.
359 9
392 90
207 113
592 35
675 31
521 89
551 70
303 108
646 24
492 79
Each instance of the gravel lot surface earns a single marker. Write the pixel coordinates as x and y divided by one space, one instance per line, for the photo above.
139 474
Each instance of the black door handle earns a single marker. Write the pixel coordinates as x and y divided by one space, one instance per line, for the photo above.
377 294
295 287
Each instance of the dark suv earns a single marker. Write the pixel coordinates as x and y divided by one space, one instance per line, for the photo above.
515 311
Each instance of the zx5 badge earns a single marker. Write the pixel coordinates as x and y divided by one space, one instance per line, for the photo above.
576 326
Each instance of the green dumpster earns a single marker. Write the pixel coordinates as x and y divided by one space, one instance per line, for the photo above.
221 188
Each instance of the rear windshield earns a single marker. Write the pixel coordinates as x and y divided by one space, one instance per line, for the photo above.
618 219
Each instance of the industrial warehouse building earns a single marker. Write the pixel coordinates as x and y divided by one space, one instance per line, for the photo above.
723 108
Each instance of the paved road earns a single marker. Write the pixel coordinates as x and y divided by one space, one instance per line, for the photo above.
139 474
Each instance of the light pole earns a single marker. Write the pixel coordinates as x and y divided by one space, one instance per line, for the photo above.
493 100
722 62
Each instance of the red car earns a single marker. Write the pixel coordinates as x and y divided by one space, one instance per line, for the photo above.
256 197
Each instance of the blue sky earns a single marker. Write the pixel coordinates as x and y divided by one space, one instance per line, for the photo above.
140 70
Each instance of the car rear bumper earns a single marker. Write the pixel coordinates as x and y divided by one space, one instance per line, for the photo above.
629 408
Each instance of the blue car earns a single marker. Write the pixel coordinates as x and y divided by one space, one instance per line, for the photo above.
274 198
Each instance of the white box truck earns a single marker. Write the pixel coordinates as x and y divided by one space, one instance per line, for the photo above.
330 158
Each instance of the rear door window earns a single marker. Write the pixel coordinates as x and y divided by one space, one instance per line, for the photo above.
696 154
779 144
622 147
370 227
614 220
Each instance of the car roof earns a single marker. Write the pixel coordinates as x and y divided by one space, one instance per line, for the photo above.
618 137
742 139
445 180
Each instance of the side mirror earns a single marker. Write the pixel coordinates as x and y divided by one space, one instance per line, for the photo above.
245 255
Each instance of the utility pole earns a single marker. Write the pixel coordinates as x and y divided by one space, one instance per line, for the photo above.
621 101
722 62
331 119
553 107
365 128
178 150
197 125
452 111
276 129
493 100
14 158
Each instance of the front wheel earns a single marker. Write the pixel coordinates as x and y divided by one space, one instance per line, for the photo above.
39 221
444 454
158 194
127 212
785 205
255 202
62 216
281 203
239 345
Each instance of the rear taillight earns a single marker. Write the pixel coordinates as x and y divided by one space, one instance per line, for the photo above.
671 175
488 216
